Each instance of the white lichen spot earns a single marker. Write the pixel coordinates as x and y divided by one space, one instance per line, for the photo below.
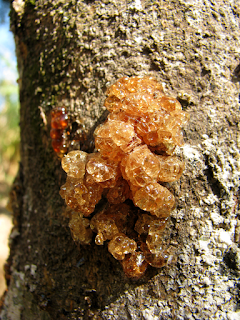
206 281
197 213
178 214
203 246
138 39
33 269
136 4
210 199
209 145
224 237
233 315
216 217
209 259
158 36
26 267
191 153
19 278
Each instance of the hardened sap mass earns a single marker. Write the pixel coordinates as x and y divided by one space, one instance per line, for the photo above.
135 155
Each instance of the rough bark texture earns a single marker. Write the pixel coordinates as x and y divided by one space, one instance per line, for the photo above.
68 53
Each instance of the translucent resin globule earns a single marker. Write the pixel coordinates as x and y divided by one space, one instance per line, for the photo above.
59 123
133 158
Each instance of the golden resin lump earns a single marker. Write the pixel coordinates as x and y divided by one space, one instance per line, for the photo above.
133 159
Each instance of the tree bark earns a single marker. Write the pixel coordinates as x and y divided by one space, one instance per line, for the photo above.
68 53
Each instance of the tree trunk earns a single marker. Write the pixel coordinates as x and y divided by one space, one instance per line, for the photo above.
68 53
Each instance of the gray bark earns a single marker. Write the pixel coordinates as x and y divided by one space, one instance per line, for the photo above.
68 53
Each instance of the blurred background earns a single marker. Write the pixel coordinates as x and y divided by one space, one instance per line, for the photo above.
9 129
